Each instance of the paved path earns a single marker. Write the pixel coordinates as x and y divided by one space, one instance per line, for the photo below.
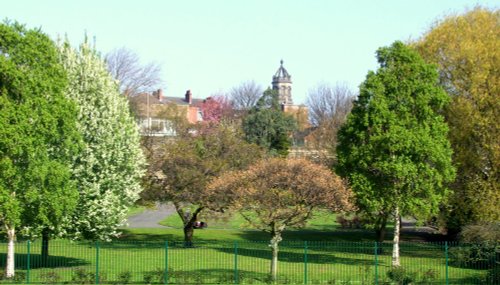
151 217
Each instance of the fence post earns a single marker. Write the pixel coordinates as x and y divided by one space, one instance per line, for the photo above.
97 262
165 278
446 257
236 277
28 262
305 262
376 263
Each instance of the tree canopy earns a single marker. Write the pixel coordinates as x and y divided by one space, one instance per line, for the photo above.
180 170
276 193
109 168
394 148
38 136
266 125
466 49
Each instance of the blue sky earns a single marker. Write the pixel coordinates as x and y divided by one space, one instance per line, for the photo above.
211 46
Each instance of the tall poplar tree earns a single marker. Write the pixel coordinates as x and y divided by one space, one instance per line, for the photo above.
394 147
38 136
109 168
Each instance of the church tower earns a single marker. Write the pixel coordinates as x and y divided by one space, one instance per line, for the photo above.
283 83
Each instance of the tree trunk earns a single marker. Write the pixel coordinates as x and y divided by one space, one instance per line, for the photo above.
45 247
10 269
395 246
188 234
274 261
380 229
188 220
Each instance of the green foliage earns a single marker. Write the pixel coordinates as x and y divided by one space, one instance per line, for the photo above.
493 276
266 125
466 50
480 243
109 169
83 276
393 147
181 169
50 277
401 276
124 277
38 135
154 276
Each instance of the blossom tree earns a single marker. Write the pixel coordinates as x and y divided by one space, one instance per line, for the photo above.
109 168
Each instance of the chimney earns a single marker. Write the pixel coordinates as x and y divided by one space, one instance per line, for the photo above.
159 94
189 97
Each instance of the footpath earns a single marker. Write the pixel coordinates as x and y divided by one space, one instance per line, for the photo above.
150 218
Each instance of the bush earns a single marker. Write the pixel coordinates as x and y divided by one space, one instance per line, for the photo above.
429 276
19 277
84 276
50 277
154 276
479 244
355 222
400 275
124 277
493 276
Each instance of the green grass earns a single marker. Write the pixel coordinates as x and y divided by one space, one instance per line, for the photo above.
321 220
136 209
334 256
215 261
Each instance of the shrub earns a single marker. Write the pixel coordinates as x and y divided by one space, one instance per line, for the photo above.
124 277
355 222
429 276
154 275
50 277
400 275
19 277
493 276
84 276
479 244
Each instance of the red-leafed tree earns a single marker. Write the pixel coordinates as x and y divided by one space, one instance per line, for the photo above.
215 108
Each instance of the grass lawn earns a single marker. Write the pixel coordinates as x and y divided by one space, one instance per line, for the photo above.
321 220
220 261
136 209
229 251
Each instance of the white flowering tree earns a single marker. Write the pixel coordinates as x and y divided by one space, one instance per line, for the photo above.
109 169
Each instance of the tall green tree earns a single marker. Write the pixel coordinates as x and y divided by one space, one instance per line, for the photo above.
394 148
38 136
466 49
109 168
268 126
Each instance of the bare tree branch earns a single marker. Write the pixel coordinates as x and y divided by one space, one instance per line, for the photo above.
134 78
245 95
328 102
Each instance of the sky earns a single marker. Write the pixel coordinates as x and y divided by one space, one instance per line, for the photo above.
212 46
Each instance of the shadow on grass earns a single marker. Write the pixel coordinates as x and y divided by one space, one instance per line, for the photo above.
296 256
36 261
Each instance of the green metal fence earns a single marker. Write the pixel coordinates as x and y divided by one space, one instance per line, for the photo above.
310 262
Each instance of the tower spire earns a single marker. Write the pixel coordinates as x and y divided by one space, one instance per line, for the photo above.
282 81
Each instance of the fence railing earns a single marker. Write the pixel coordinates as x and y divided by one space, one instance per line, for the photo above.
310 262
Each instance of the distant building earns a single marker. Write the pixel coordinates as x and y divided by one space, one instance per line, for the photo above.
282 82
155 113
